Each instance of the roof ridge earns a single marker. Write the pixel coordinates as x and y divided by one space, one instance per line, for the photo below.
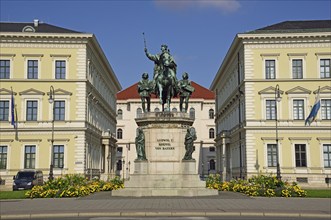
131 92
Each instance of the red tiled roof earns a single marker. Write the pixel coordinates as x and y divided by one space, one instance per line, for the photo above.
199 93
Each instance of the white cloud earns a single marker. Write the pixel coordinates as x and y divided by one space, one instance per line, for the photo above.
223 5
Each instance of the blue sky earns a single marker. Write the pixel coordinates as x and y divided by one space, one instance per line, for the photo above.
198 32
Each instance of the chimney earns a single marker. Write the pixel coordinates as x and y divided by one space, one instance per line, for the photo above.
36 22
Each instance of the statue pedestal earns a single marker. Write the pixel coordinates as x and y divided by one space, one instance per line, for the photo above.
165 173
189 167
140 166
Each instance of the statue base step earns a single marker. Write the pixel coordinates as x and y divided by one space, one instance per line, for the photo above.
164 185
187 192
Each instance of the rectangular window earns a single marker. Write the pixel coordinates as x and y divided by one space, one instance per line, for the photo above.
60 69
270 109
272 155
327 155
119 149
325 68
32 69
297 68
4 69
30 157
300 155
31 110
58 156
211 149
59 110
270 69
298 109
3 157
326 109
4 110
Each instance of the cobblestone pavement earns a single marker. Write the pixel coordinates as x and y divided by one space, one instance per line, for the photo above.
227 203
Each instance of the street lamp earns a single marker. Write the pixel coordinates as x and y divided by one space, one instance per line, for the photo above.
202 173
123 166
51 101
277 99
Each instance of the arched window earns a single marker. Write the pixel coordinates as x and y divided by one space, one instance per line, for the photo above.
212 164
211 133
211 113
192 113
139 112
119 133
156 109
119 114
174 109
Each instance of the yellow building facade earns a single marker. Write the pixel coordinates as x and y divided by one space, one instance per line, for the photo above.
41 62
256 127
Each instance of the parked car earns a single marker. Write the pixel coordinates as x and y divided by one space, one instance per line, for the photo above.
26 179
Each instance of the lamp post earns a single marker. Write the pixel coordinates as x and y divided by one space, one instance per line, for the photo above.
51 101
128 173
277 99
202 173
123 168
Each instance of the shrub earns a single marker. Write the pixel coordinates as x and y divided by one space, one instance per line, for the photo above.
261 185
73 186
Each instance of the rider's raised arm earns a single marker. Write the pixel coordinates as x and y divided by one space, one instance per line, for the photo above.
150 56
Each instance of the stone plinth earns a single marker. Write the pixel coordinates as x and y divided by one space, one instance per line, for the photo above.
140 166
165 173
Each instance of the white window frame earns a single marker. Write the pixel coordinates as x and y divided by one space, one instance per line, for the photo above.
66 99
321 109
272 140
305 141
65 159
266 57
305 98
322 141
7 159
9 109
28 57
264 98
60 58
303 108
297 56
23 154
9 57
39 110
321 56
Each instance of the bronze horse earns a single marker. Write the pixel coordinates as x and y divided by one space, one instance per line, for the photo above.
166 81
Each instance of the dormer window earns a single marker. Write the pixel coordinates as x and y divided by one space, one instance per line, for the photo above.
28 29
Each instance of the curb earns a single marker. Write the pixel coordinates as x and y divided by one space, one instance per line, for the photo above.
162 214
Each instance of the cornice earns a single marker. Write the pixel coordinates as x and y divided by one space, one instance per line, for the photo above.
45 35
290 36
44 38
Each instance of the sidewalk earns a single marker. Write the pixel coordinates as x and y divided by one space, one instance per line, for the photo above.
226 204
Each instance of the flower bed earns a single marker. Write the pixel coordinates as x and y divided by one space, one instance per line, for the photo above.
260 185
73 186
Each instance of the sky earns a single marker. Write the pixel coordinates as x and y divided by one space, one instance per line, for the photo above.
197 32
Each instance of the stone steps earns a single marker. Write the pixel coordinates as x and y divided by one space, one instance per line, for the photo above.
187 192
165 185
165 181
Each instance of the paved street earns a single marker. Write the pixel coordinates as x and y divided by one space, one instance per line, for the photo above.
102 204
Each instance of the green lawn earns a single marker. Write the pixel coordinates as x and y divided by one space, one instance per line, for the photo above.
319 193
12 194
